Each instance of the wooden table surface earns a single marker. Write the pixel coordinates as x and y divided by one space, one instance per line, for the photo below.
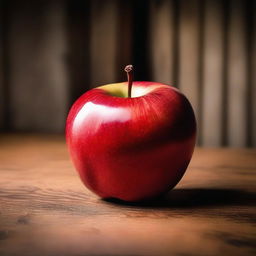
45 209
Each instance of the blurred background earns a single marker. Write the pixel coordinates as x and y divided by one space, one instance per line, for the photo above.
53 51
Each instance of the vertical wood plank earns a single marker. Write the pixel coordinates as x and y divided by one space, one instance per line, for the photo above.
212 77
103 45
141 44
4 67
253 76
2 110
78 40
237 75
38 83
124 32
162 40
189 57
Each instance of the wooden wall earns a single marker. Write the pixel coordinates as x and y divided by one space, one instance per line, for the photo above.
52 51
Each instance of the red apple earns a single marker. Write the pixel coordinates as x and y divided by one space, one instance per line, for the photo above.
131 148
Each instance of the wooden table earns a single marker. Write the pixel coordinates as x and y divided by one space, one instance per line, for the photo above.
45 209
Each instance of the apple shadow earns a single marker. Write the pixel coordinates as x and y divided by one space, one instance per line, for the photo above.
194 198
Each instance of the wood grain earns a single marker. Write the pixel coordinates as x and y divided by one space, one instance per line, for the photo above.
45 209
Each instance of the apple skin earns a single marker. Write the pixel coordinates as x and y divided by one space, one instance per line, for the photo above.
131 149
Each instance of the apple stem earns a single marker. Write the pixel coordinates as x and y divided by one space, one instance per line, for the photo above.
129 70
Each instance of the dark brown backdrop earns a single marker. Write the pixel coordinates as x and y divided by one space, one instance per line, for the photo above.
53 51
